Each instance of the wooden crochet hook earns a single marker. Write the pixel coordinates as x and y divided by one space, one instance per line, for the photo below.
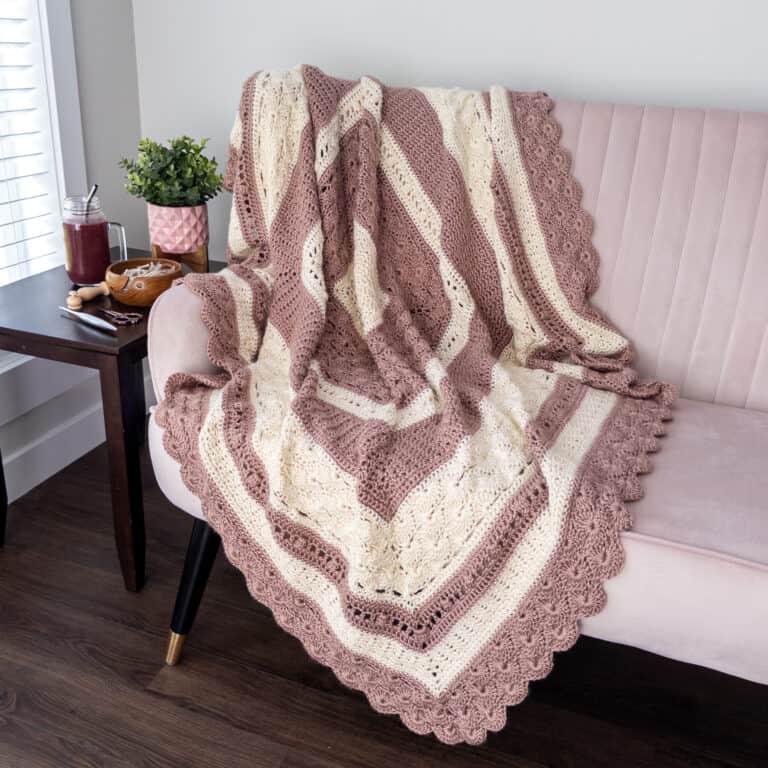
76 298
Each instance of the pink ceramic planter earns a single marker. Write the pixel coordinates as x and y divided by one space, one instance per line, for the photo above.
178 230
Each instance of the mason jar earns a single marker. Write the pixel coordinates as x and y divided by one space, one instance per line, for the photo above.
86 239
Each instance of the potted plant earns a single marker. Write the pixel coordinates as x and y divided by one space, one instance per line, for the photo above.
176 179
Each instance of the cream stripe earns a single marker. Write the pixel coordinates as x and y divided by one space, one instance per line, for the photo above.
248 335
569 369
280 115
235 239
466 131
312 275
365 96
425 405
427 220
436 668
359 289
598 340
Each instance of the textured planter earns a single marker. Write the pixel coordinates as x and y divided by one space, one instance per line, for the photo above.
178 230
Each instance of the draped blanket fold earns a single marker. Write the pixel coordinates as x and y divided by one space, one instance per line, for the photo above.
421 437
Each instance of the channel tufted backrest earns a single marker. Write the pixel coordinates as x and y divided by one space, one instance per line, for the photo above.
680 201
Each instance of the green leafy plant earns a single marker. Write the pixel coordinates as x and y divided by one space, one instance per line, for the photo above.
172 174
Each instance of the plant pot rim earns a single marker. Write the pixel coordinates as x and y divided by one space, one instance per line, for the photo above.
176 207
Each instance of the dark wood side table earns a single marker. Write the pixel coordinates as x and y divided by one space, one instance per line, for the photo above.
31 324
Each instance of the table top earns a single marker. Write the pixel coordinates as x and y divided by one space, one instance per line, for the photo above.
29 312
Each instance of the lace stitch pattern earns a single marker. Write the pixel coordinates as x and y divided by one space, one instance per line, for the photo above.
422 437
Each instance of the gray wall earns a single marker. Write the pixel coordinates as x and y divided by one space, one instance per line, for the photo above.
193 55
109 104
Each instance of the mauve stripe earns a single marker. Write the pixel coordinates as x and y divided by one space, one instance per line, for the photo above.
260 294
554 414
402 345
556 330
360 446
220 317
347 438
418 311
293 311
418 132
323 94
414 123
383 486
379 369
387 463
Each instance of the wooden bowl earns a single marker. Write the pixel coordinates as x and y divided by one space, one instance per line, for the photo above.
139 291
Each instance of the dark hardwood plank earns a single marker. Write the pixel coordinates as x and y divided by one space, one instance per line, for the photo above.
115 726
82 679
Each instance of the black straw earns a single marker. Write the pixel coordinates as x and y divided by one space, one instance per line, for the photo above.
89 198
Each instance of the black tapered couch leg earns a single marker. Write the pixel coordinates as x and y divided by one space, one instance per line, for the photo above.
3 504
201 552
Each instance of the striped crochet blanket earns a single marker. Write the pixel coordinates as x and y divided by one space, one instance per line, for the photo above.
421 440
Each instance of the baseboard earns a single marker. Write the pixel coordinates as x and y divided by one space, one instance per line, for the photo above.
29 382
57 432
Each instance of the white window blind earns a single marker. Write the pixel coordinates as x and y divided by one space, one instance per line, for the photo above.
31 187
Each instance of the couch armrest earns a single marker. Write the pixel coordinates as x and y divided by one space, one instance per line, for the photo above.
177 339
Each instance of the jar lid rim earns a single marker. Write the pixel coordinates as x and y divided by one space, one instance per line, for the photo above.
76 203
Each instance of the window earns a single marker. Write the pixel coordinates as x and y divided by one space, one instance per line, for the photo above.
33 140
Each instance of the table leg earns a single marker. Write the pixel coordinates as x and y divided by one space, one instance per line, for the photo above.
139 400
3 503
121 392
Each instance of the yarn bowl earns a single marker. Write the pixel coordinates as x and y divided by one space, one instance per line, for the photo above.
140 290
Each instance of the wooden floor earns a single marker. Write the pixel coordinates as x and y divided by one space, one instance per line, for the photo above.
82 681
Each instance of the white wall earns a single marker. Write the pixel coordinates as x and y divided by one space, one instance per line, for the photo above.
193 54
109 104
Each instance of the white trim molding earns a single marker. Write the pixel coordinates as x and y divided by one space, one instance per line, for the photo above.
57 432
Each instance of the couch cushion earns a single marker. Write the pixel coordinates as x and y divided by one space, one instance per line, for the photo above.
680 203
168 473
694 585
177 339
709 485
690 604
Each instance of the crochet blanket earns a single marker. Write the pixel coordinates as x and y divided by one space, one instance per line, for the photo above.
421 438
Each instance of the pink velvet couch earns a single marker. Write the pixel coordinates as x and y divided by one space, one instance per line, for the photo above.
680 199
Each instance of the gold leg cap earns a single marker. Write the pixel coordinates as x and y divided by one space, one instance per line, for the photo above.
175 644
